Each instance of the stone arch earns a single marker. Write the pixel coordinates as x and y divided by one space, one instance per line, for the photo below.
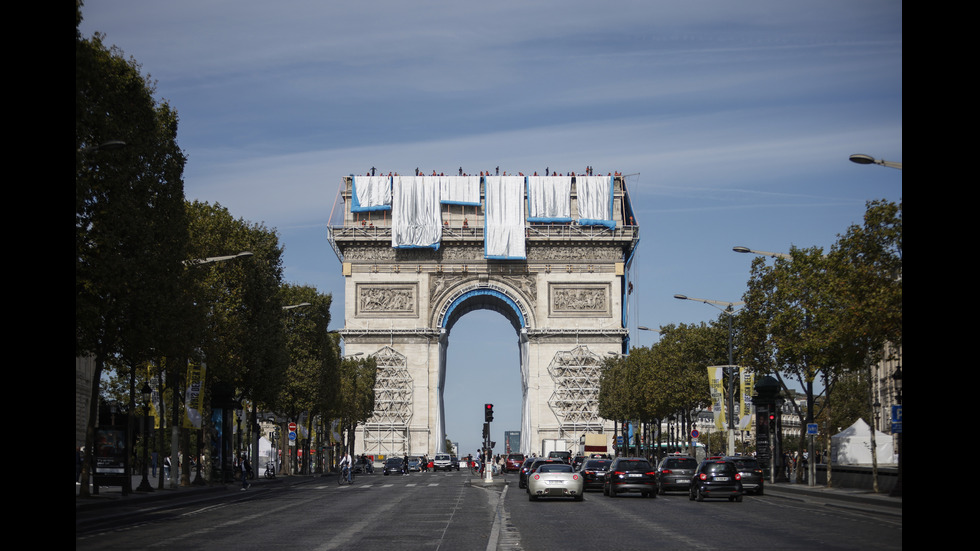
482 295
563 288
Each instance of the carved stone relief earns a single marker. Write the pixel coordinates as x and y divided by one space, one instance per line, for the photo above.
579 299
387 300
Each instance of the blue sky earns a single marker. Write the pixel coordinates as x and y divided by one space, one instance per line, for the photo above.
737 119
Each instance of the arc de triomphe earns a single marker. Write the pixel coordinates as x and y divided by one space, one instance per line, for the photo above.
551 254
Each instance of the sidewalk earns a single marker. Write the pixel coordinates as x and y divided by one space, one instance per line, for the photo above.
112 496
839 496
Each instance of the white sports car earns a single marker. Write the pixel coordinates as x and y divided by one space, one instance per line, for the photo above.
555 480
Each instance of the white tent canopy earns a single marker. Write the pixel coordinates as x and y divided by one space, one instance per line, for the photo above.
852 446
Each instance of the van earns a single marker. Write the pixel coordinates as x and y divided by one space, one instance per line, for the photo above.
564 457
442 461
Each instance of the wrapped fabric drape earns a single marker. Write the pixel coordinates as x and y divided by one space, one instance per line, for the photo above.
549 198
459 190
522 344
371 193
415 216
595 200
504 219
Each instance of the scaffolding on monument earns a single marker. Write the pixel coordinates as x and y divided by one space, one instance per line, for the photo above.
575 401
386 432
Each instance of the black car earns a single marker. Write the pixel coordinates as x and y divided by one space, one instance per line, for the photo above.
716 478
674 473
630 474
529 466
522 473
593 472
753 479
393 465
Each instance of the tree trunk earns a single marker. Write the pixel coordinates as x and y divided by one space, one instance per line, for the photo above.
88 462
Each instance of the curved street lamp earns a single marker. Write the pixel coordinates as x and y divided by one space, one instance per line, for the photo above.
645 328
174 443
862 159
212 259
109 145
740 249
729 309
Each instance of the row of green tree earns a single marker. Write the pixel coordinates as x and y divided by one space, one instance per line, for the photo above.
149 291
814 320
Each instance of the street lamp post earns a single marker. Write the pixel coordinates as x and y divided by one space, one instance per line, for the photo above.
740 249
147 394
645 328
862 159
729 310
213 259
175 429
254 414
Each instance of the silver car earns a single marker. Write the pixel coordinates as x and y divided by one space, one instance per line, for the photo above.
555 480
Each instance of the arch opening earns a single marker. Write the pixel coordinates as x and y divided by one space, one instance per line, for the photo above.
496 301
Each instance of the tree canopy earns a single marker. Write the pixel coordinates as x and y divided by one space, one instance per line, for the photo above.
130 224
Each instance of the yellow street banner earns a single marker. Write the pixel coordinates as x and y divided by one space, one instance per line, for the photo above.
194 396
747 380
716 385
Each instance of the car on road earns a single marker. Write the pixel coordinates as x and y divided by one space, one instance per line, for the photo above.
442 462
674 473
514 462
393 465
593 472
522 475
415 463
753 479
455 462
554 480
630 474
530 464
363 465
716 478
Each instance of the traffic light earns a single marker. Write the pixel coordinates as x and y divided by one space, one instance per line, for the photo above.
486 430
488 412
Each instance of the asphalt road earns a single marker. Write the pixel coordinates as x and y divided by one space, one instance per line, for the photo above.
452 511
673 521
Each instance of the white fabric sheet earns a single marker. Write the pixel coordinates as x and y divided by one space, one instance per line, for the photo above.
371 193
595 200
522 344
459 190
549 198
504 220
415 215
